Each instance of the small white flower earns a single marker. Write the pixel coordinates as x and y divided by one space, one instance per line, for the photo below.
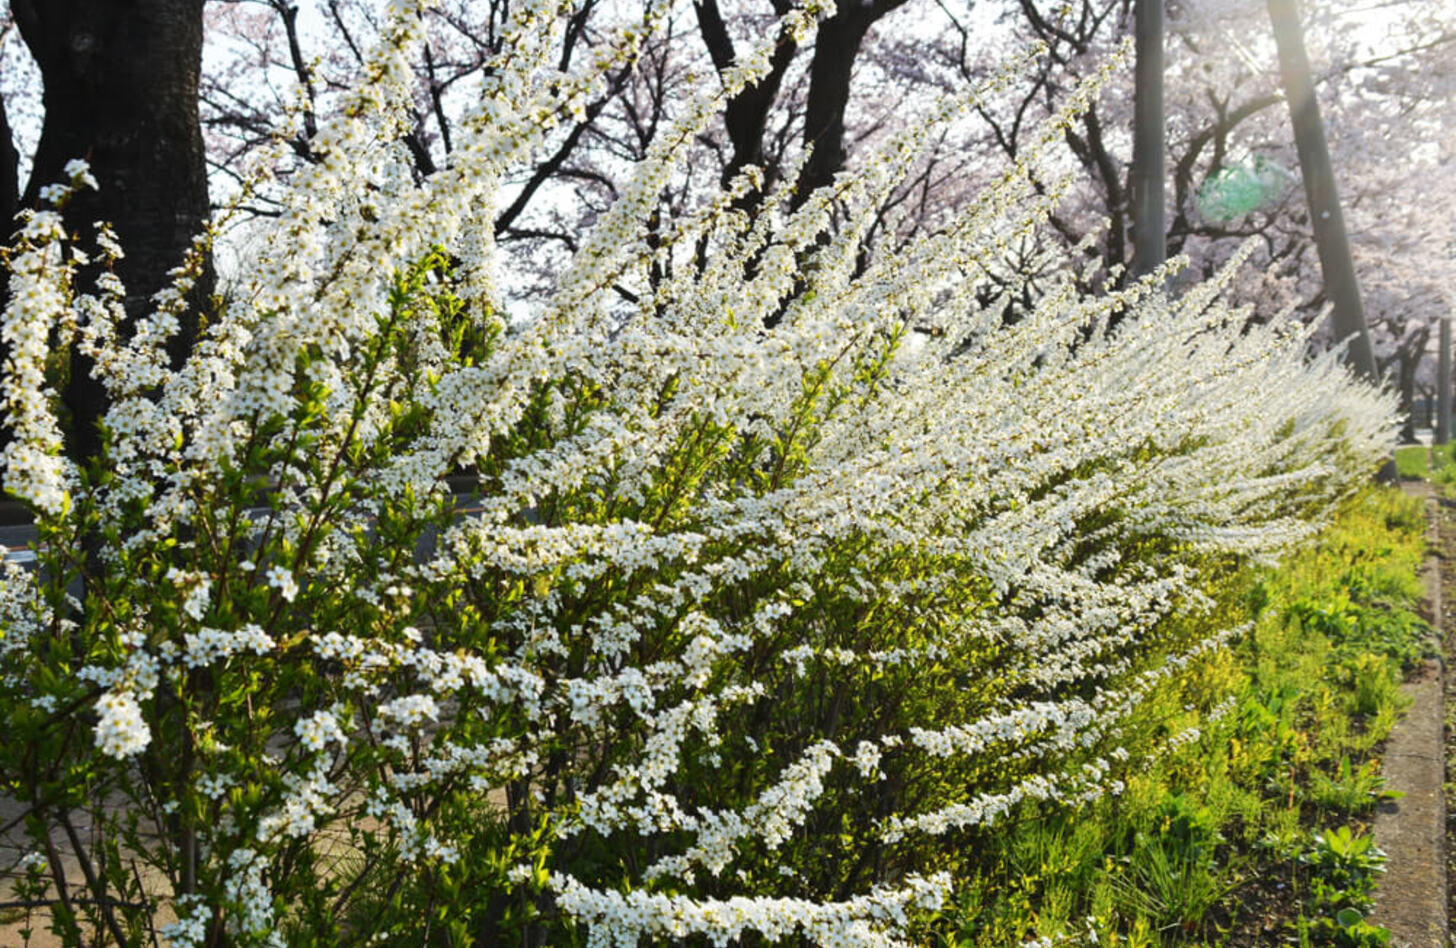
80 174
214 786
318 730
282 580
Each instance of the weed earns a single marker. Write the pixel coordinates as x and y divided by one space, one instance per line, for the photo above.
1351 789
1344 870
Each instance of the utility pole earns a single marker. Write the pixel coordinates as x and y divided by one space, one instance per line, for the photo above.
1149 223
1331 240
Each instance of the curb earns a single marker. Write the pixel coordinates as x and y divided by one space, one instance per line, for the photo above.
1411 899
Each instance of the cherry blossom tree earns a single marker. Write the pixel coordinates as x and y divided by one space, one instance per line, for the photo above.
1382 80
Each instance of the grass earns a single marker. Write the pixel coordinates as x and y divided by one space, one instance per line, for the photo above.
1436 464
1227 840
1411 462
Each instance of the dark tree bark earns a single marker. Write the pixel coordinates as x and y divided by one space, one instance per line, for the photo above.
831 69
835 48
9 205
121 81
9 182
1342 287
746 116
1092 151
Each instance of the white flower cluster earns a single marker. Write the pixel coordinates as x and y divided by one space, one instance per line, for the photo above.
621 920
190 929
120 730
197 592
772 818
252 920
318 730
23 611
39 304
310 795
409 712
207 646
281 579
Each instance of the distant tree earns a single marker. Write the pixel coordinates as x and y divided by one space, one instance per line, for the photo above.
276 68
1383 77
805 104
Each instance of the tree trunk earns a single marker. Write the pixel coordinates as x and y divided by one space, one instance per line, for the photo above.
1407 362
121 80
9 182
1341 285
1149 223
9 206
746 115
830 73
1443 385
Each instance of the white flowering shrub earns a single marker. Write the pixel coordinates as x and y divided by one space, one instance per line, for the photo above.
733 633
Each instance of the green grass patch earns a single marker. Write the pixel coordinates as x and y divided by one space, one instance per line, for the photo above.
1443 465
1254 828
1412 461
1436 464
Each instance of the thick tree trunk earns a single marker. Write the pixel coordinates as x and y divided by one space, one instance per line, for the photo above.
831 71
1149 217
9 206
1338 266
121 81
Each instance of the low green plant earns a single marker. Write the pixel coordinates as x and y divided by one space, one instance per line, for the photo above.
1372 692
1443 465
1172 881
1436 463
1344 869
1350 788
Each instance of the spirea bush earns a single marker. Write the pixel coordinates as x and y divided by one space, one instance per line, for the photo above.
389 619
